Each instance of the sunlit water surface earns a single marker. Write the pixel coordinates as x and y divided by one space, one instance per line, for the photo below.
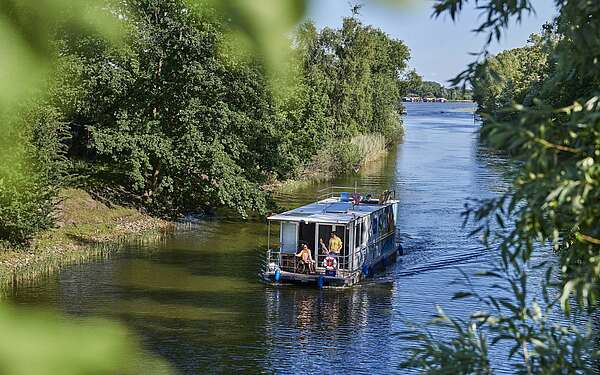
196 301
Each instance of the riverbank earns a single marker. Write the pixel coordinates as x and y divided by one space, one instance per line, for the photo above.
85 228
339 160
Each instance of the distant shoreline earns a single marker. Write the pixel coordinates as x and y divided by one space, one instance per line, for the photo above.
445 102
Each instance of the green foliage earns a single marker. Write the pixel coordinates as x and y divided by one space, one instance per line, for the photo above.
465 353
25 207
30 140
32 171
173 118
553 130
42 343
179 125
183 124
350 82
31 133
513 76
535 342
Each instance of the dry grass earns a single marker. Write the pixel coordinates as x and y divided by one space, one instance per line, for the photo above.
85 229
370 147
327 164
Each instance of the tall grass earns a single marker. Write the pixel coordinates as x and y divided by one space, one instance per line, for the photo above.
86 229
369 147
345 157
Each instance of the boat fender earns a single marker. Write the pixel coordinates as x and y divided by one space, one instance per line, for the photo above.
365 270
277 275
320 282
400 250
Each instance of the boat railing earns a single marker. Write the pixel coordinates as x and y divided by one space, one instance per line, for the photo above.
335 191
290 262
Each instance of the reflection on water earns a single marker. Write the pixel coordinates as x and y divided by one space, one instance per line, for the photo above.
195 299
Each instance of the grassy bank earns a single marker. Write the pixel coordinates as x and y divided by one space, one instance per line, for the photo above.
85 228
337 160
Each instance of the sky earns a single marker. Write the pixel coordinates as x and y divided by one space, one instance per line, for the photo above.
439 47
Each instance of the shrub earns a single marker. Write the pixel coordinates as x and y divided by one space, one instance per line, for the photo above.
30 174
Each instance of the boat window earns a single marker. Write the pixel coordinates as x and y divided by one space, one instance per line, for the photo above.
289 242
374 226
344 260
391 219
358 234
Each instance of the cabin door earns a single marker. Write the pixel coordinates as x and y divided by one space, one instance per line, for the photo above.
289 237
324 233
306 236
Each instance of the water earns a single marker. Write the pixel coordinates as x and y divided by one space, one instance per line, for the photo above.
196 301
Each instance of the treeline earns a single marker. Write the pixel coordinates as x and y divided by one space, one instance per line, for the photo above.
174 119
518 76
423 89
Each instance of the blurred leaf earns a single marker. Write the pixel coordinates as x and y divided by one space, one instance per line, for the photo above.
43 343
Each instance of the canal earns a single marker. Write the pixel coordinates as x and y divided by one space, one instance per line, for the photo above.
196 301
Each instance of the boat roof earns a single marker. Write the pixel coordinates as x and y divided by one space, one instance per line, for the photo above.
331 211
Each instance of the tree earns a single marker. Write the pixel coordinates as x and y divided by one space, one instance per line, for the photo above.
553 132
513 76
348 82
178 123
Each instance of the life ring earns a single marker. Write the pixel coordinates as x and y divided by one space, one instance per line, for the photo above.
330 263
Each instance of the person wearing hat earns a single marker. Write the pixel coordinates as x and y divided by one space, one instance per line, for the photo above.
306 258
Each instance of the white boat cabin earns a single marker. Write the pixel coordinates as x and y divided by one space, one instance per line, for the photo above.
365 225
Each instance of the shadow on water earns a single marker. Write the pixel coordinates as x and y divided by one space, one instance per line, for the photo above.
195 298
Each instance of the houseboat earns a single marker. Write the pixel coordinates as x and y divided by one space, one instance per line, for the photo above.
338 240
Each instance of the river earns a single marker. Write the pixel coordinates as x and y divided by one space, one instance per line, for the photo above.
195 299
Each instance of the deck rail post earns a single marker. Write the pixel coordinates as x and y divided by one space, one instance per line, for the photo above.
347 245
268 241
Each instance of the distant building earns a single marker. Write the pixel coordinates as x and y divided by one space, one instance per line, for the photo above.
441 100
429 99
411 99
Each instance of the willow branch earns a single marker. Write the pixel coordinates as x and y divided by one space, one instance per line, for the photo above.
589 239
558 147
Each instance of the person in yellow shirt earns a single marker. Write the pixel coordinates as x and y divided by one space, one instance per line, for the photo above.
335 244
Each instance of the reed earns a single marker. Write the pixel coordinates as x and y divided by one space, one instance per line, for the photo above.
369 147
86 229
339 159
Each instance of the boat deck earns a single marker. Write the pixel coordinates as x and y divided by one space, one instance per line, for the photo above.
302 278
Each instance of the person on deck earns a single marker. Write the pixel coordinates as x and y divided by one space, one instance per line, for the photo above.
330 265
335 244
306 258
324 249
